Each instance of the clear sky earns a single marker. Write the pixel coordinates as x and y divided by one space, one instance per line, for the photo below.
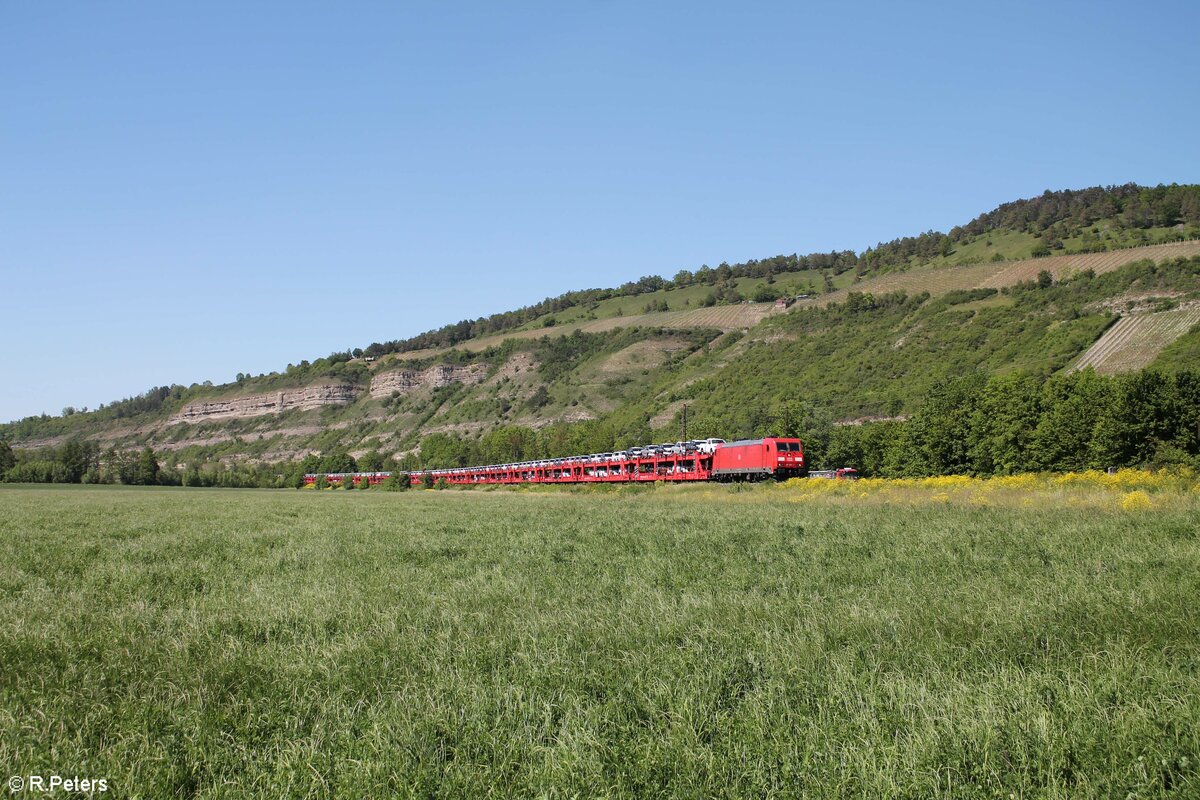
192 190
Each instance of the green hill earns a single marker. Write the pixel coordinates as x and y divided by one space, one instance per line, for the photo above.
605 368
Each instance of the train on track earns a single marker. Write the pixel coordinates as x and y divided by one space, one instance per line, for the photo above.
703 460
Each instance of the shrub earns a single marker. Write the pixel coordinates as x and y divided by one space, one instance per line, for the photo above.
763 293
397 482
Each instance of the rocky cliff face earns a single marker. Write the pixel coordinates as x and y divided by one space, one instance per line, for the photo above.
327 394
405 381
304 398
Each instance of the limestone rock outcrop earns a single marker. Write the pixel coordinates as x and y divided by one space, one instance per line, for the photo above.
302 398
405 381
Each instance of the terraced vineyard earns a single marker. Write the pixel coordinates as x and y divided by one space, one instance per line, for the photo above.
996 276
1135 340
1062 266
724 318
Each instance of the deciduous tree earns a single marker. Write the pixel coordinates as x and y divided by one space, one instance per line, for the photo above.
147 468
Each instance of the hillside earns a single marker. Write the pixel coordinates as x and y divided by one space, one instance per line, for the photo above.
872 354
869 342
1069 222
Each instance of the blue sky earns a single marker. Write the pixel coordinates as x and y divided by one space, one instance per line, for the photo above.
189 191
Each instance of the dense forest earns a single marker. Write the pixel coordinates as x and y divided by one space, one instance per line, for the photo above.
1009 424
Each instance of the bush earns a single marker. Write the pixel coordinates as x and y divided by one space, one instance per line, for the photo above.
397 482
538 399
764 293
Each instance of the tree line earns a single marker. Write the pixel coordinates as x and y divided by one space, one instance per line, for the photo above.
1009 424
1053 217
1129 206
82 461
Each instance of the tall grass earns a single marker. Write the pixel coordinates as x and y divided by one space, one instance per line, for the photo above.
658 643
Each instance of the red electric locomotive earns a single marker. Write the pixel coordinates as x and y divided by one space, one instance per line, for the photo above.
756 459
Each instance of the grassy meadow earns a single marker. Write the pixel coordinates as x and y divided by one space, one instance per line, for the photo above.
1031 637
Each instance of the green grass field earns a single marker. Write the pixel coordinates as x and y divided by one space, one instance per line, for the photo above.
680 642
